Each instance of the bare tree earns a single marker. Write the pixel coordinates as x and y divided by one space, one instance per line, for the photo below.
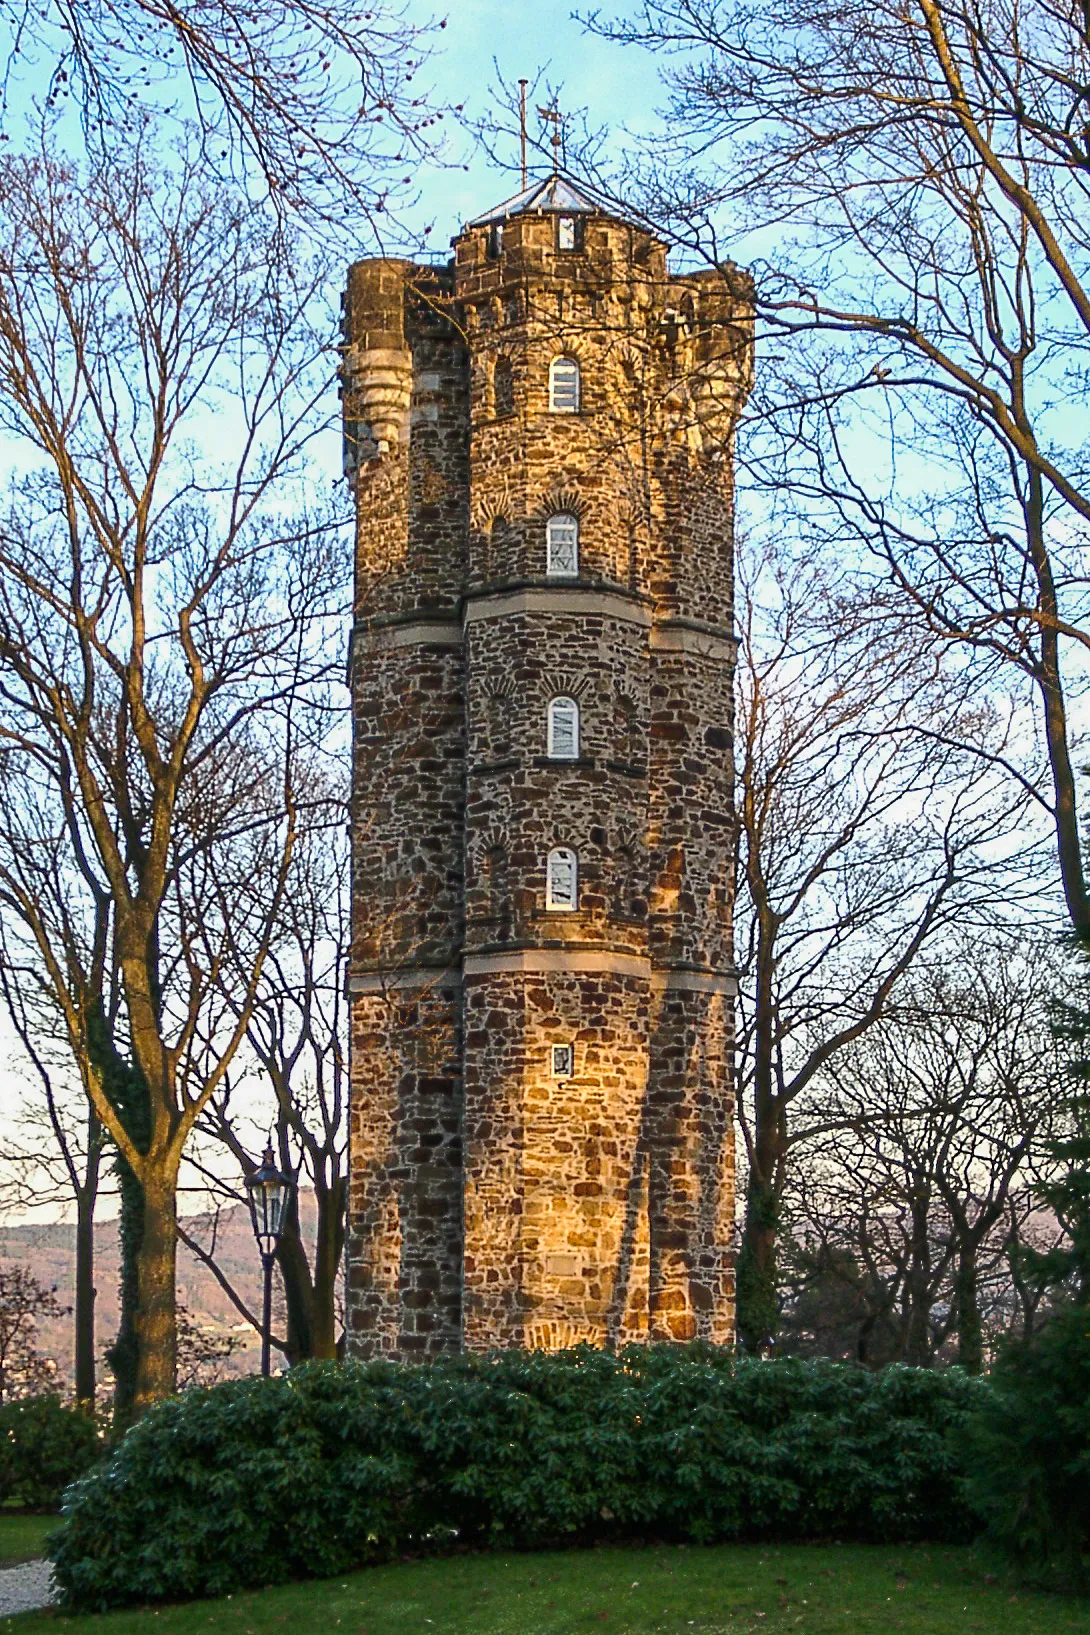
293 1080
322 102
926 310
923 1145
164 623
202 1352
54 1154
861 837
24 1301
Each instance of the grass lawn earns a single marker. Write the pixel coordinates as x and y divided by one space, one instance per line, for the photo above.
21 1536
816 1590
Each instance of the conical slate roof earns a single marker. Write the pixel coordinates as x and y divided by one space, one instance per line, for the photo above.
555 194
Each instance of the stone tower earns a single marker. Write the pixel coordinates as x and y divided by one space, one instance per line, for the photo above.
540 439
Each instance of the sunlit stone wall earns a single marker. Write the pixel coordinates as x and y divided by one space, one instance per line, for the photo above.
501 1195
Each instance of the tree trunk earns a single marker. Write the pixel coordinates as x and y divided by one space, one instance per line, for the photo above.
1057 738
86 1204
121 1356
85 1296
156 1259
967 1301
758 1309
917 1341
291 1257
327 1266
129 1096
311 1295
758 1316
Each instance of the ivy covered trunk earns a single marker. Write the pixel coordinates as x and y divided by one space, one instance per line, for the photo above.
758 1307
967 1302
156 1264
121 1356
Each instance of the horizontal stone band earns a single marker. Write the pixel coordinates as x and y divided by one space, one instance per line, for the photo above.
544 599
424 976
540 961
695 982
416 633
669 636
676 638
558 959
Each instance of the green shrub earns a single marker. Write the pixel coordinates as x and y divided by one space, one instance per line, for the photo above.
259 1481
1029 1453
43 1446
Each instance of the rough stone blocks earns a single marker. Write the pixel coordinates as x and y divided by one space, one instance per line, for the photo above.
542 1113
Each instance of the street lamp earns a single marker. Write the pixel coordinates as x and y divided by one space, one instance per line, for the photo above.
269 1195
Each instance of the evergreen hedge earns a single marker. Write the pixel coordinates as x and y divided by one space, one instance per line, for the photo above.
259 1481
44 1445
1028 1453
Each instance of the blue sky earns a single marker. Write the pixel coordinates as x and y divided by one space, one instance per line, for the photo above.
619 88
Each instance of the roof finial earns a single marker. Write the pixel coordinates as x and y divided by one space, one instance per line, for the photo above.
553 117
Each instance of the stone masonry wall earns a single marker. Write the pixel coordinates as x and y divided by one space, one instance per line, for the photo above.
495 1201
404 1243
406 385
556 1222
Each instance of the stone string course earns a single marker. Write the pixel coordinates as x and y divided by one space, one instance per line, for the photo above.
491 1203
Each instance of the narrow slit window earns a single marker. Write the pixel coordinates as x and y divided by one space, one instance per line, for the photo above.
564 386
562 547
562 881
503 387
495 882
563 730
565 233
562 1061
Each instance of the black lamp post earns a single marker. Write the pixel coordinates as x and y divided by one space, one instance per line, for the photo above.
269 1194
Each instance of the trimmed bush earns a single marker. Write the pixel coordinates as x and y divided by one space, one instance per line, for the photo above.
259 1481
43 1446
1029 1453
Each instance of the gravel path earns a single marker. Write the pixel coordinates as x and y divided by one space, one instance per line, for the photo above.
26 1587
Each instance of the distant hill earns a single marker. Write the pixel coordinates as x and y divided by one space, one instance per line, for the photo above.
49 1252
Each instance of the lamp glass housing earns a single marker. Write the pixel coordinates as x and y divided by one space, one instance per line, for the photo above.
269 1193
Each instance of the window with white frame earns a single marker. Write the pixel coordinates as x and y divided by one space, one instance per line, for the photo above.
565 233
564 386
562 880
562 1061
562 546
563 730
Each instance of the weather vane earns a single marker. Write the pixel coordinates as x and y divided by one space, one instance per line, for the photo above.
552 116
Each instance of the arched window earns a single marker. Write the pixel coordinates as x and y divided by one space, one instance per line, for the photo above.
503 387
562 880
562 547
564 386
563 733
